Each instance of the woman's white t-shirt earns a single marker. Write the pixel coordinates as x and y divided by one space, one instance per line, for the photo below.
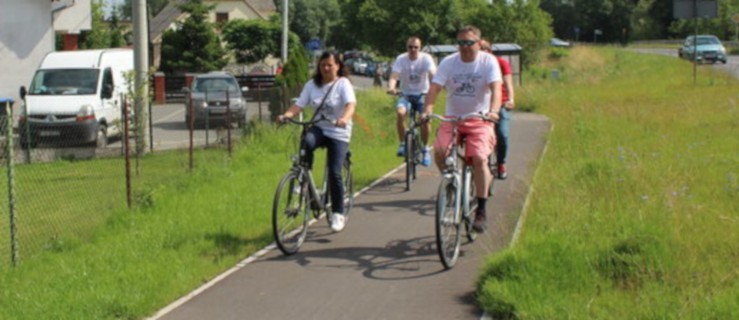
341 94
467 84
414 74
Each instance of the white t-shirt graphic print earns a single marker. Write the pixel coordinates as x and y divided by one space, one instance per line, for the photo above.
467 83
341 94
414 74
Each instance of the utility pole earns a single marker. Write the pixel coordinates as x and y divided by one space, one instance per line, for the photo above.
284 31
141 67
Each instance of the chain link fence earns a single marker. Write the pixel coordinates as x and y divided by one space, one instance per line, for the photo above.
60 185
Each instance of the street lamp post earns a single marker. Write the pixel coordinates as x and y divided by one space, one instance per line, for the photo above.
284 31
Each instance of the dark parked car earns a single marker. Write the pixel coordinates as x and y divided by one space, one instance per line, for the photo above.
705 48
214 97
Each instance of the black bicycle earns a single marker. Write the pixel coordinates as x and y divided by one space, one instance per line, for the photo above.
297 196
413 148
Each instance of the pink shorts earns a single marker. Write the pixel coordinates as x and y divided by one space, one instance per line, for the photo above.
480 137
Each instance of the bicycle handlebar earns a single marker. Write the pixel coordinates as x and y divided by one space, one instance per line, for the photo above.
463 117
314 121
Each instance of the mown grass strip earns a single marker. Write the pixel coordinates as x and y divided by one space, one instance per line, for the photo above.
635 213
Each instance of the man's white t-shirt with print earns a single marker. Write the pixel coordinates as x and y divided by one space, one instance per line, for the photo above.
414 74
467 84
341 94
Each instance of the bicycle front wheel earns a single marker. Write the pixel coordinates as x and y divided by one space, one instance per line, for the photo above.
290 213
447 223
410 159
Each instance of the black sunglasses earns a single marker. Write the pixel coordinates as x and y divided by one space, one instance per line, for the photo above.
466 43
413 47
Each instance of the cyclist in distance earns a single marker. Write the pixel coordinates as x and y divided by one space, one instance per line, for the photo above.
331 92
502 128
414 69
473 82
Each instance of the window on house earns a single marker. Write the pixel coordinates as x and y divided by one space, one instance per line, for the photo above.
221 17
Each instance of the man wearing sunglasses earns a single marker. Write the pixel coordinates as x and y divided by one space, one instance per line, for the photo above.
473 83
414 69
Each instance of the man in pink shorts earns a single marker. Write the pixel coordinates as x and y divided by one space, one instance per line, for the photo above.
473 84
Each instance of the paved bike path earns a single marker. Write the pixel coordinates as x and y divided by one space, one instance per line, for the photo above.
384 265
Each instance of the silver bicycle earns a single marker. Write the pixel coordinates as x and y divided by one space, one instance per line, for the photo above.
456 199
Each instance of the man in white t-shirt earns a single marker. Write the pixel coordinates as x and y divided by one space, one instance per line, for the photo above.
473 83
414 69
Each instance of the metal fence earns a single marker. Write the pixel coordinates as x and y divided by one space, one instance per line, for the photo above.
60 188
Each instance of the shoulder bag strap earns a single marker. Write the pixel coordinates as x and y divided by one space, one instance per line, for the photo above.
323 102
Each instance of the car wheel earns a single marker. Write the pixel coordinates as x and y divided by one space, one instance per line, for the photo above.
101 141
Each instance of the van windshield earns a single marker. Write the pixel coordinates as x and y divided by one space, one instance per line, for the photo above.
64 82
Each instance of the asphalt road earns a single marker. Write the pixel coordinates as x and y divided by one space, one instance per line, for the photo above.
731 66
384 265
169 130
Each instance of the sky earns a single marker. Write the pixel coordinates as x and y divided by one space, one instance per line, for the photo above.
109 5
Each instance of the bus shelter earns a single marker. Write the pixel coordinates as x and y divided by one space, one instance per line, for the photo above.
509 51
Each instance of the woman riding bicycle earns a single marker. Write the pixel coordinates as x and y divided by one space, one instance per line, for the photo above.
332 95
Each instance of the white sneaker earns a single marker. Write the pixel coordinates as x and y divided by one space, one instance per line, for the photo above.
338 221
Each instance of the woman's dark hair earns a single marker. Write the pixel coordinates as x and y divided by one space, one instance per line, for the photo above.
343 72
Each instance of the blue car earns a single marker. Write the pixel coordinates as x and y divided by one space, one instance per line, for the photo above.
703 48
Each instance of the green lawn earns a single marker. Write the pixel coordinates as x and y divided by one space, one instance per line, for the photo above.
113 263
635 212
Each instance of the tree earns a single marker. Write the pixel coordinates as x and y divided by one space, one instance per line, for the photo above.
312 19
254 40
384 25
98 35
194 46
520 21
294 75
721 26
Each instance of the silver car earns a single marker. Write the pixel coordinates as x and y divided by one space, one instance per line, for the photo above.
706 48
213 99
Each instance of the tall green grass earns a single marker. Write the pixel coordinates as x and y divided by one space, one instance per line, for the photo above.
186 228
635 212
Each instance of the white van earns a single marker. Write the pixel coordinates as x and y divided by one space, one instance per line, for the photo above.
75 98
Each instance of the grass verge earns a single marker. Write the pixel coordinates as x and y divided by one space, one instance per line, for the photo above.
186 229
635 213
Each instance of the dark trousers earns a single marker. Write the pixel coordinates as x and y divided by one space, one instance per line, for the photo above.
336 153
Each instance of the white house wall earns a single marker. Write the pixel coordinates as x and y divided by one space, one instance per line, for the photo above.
75 17
26 36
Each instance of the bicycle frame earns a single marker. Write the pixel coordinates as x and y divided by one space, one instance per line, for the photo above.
458 178
317 200
413 152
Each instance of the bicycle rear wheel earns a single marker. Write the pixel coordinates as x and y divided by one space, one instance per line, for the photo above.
290 213
469 203
346 175
493 166
447 225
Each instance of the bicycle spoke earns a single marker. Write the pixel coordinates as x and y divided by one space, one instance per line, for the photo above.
290 214
447 224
